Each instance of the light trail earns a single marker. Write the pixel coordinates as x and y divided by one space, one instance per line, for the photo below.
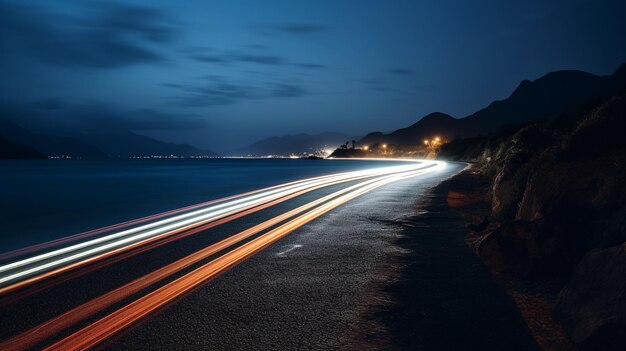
75 255
141 247
90 233
216 208
107 326
40 333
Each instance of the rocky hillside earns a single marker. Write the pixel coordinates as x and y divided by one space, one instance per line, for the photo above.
559 213
555 93
437 123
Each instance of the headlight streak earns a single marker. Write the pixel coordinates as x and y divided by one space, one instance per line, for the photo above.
75 237
143 246
40 333
111 243
90 233
107 326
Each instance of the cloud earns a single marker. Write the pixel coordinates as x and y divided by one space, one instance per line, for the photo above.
210 58
219 91
378 85
150 23
299 28
214 94
401 71
55 115
262 59
255 56
104 36
288 91
310 65
237 57
292 28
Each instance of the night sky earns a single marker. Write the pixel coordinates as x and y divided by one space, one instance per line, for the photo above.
220 75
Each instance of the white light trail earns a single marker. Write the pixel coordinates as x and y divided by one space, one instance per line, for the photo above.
42 263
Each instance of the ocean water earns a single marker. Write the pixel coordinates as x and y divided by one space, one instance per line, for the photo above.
41 200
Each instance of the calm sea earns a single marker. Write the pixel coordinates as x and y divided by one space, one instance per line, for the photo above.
46 199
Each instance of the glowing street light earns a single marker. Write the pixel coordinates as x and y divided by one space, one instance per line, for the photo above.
384 146
365 148
426 141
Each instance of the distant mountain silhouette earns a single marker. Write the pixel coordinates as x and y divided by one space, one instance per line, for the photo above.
49 145
128 144
555 93
293 144
13 151
125 144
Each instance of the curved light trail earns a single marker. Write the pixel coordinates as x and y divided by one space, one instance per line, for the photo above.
172 225
15 271
107 326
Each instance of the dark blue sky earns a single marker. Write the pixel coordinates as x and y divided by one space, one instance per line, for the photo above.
222 74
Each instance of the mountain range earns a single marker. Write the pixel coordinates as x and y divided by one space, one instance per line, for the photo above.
128 144
555 93
49 145
91 146
293 144
10 150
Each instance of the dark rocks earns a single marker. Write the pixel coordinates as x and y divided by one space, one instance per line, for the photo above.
592 306
559 207
505 250
480 227
348 153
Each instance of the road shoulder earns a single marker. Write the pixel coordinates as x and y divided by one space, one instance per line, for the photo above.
435 294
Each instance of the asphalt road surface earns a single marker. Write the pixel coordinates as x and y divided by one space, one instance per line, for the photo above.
288 267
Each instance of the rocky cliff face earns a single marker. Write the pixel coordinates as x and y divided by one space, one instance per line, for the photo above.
592 305
559 201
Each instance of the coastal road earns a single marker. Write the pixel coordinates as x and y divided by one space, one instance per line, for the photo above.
294 262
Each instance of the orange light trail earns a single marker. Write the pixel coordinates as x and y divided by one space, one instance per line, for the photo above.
90 233
143 246
107 326
130 252
26 271
40 333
